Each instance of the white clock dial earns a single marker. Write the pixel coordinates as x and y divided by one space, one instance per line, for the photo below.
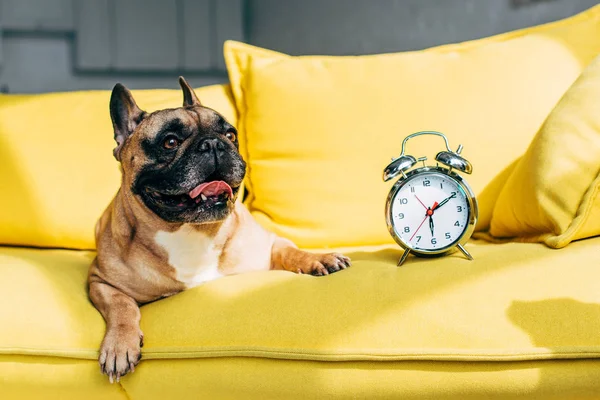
430 212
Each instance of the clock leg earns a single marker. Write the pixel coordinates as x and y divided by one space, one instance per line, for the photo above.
465 252
404 257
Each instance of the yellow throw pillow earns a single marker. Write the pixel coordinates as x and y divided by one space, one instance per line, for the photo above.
57 172
552 195
320 130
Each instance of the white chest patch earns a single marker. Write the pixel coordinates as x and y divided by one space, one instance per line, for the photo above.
192 254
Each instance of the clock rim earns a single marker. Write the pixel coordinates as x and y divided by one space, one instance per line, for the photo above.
471 201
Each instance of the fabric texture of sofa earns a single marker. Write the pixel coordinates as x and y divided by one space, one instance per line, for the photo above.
521 320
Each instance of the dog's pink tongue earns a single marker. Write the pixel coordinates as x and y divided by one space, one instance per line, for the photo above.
214 188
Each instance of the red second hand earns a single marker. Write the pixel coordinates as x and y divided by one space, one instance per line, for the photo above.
422 222
421 202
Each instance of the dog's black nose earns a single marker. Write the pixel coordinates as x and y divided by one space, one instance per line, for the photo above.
211 144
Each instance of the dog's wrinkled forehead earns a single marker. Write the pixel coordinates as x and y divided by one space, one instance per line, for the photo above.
184 120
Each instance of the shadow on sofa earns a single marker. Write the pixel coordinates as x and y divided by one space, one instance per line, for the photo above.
565 322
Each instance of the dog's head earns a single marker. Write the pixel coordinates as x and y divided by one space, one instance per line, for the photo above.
183 164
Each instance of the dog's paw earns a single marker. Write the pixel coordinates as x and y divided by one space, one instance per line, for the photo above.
120 352
322 264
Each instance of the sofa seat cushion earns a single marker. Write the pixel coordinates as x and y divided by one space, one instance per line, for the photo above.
515 301
521 320
261 379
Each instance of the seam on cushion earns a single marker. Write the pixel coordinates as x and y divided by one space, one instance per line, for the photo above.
416 354
300 354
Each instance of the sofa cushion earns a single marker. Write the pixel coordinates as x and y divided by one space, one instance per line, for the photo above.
434 328
257 378
495 308
57 173
54 378
320 130
552 195
253 378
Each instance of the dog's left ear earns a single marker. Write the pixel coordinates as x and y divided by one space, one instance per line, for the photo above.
189 97
125 115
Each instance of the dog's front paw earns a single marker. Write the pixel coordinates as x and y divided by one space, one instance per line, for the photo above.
120 352
322 264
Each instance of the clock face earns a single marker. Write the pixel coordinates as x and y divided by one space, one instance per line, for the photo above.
430 212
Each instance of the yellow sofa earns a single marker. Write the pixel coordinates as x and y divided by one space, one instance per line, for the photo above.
520 321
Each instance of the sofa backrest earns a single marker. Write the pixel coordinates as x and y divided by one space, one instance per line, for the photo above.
57 171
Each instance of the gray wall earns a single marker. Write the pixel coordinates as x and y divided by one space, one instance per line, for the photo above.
55 45
347 27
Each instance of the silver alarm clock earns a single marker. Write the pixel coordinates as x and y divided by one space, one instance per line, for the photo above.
431 210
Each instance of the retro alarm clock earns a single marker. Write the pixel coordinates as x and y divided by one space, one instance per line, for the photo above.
431 210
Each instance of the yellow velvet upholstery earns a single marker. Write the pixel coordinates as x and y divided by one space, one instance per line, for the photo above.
57 173
331 124
32 378
26 377
255 378
552 195
447 310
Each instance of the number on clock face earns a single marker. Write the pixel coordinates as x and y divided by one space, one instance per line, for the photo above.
430 212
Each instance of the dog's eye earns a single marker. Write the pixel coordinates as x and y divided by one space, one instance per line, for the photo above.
231 136
171 142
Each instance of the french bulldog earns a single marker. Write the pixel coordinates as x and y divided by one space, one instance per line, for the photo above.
175 222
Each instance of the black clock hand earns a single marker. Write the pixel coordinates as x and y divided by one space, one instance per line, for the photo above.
431 224
447 199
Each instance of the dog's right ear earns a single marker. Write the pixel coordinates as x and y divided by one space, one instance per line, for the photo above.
189 96
125 115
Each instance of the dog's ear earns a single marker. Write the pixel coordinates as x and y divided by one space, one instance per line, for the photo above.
125 115
189 97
